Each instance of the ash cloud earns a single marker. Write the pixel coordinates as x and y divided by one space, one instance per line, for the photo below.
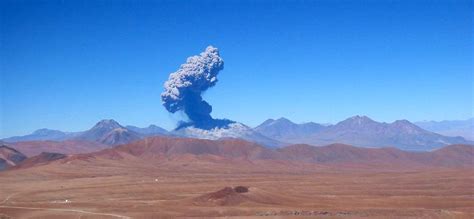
184 88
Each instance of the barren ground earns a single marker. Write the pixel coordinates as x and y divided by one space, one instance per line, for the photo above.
175 188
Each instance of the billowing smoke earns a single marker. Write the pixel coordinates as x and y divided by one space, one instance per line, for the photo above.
184 88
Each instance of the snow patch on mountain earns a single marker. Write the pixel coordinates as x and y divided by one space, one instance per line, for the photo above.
233 130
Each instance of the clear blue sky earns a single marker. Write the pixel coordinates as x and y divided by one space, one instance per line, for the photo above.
67 64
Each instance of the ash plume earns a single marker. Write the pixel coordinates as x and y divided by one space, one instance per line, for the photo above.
184 88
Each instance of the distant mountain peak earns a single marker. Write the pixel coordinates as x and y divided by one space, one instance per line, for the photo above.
403 122
284 129
267 122
151 130
109 132
360 117
40 134
357 121
119 136
283 119
407 126
45 131
108 123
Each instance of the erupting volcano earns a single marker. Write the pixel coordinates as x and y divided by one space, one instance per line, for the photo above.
184 88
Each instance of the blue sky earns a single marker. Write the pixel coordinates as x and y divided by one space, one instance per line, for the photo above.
67 64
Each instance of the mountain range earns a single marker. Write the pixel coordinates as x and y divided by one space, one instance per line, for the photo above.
453 155
151 130
107 132
287 131
193 151
463 128
358 130
43 134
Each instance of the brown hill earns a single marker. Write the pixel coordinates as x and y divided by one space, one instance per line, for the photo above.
229 148
10 157
159 147
225 196
185 150
346 154
449 156
453 156
33 148
41 159
238 195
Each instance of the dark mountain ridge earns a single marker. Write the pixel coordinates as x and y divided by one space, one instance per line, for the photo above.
40 135
285 130
10 157
361 131
151 130
107 131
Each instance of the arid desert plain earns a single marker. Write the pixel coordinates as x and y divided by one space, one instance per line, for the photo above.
170 178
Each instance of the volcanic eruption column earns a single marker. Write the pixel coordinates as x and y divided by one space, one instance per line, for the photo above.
184 88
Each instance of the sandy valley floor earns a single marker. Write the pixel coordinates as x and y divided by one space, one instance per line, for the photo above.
187 188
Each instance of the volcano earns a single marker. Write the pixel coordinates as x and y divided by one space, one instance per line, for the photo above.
233 130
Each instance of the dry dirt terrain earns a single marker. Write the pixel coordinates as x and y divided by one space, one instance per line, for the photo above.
189 187
172 178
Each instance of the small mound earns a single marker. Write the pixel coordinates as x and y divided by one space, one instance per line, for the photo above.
228 191
225 196
239 195
241 189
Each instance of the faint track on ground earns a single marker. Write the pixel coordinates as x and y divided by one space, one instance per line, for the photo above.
8 198
68 210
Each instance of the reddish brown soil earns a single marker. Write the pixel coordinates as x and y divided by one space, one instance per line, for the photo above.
145 182
176 187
